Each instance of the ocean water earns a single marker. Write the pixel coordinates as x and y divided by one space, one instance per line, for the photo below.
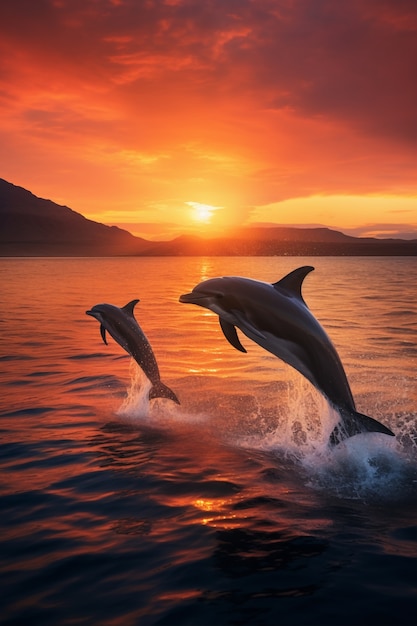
229 509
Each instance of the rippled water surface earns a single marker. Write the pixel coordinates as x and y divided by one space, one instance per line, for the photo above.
229 509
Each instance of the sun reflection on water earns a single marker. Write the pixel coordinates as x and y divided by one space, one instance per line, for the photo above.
220 508
206 269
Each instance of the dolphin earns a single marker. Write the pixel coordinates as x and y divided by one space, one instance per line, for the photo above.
276 317
123 327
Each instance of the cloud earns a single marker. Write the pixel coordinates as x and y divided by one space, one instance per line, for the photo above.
347 61
350 60
385 231
238 104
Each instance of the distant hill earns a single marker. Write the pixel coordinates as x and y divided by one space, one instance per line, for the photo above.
286 242
32 226
288 233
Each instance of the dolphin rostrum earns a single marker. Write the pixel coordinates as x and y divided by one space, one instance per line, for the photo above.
276 317
123 327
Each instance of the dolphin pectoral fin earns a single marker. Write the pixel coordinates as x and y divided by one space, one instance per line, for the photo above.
159 390
353 423
229 331
293 281
103 333
128 308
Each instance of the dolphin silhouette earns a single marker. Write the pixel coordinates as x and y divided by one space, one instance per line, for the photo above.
123 327
276 317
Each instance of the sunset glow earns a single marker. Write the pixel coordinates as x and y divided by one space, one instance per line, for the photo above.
202 212
260 112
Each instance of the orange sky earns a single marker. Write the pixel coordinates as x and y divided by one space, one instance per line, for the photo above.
137 112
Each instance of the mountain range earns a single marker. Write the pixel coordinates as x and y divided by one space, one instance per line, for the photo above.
32 226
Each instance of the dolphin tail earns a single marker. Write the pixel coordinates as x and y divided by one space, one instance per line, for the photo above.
159 390
353 423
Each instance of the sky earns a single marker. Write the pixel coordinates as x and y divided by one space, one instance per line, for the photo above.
168 117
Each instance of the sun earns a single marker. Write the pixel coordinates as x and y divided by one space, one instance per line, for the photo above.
202 212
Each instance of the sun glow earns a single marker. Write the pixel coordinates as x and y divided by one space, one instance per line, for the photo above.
202 213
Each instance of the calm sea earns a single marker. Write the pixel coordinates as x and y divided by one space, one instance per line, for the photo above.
228 509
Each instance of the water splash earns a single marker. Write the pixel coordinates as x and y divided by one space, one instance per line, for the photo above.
297 423
136 405
370 466
292 423
366 466
160 412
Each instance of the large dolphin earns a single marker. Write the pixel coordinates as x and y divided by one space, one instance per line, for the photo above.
123 327
276 317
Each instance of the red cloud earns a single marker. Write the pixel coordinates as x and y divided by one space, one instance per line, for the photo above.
272 99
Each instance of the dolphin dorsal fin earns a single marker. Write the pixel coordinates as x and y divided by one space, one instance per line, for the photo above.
128 308
293 281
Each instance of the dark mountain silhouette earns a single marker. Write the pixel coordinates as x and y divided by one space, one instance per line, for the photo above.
32 226
290 233
286 242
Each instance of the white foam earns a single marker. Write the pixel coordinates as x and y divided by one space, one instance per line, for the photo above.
366 466
137 408
301 424
136 405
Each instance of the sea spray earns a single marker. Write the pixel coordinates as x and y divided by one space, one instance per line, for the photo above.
136 405
138 408
292 423
296 421
369 466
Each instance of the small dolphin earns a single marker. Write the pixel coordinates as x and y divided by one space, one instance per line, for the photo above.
276 317
123 327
